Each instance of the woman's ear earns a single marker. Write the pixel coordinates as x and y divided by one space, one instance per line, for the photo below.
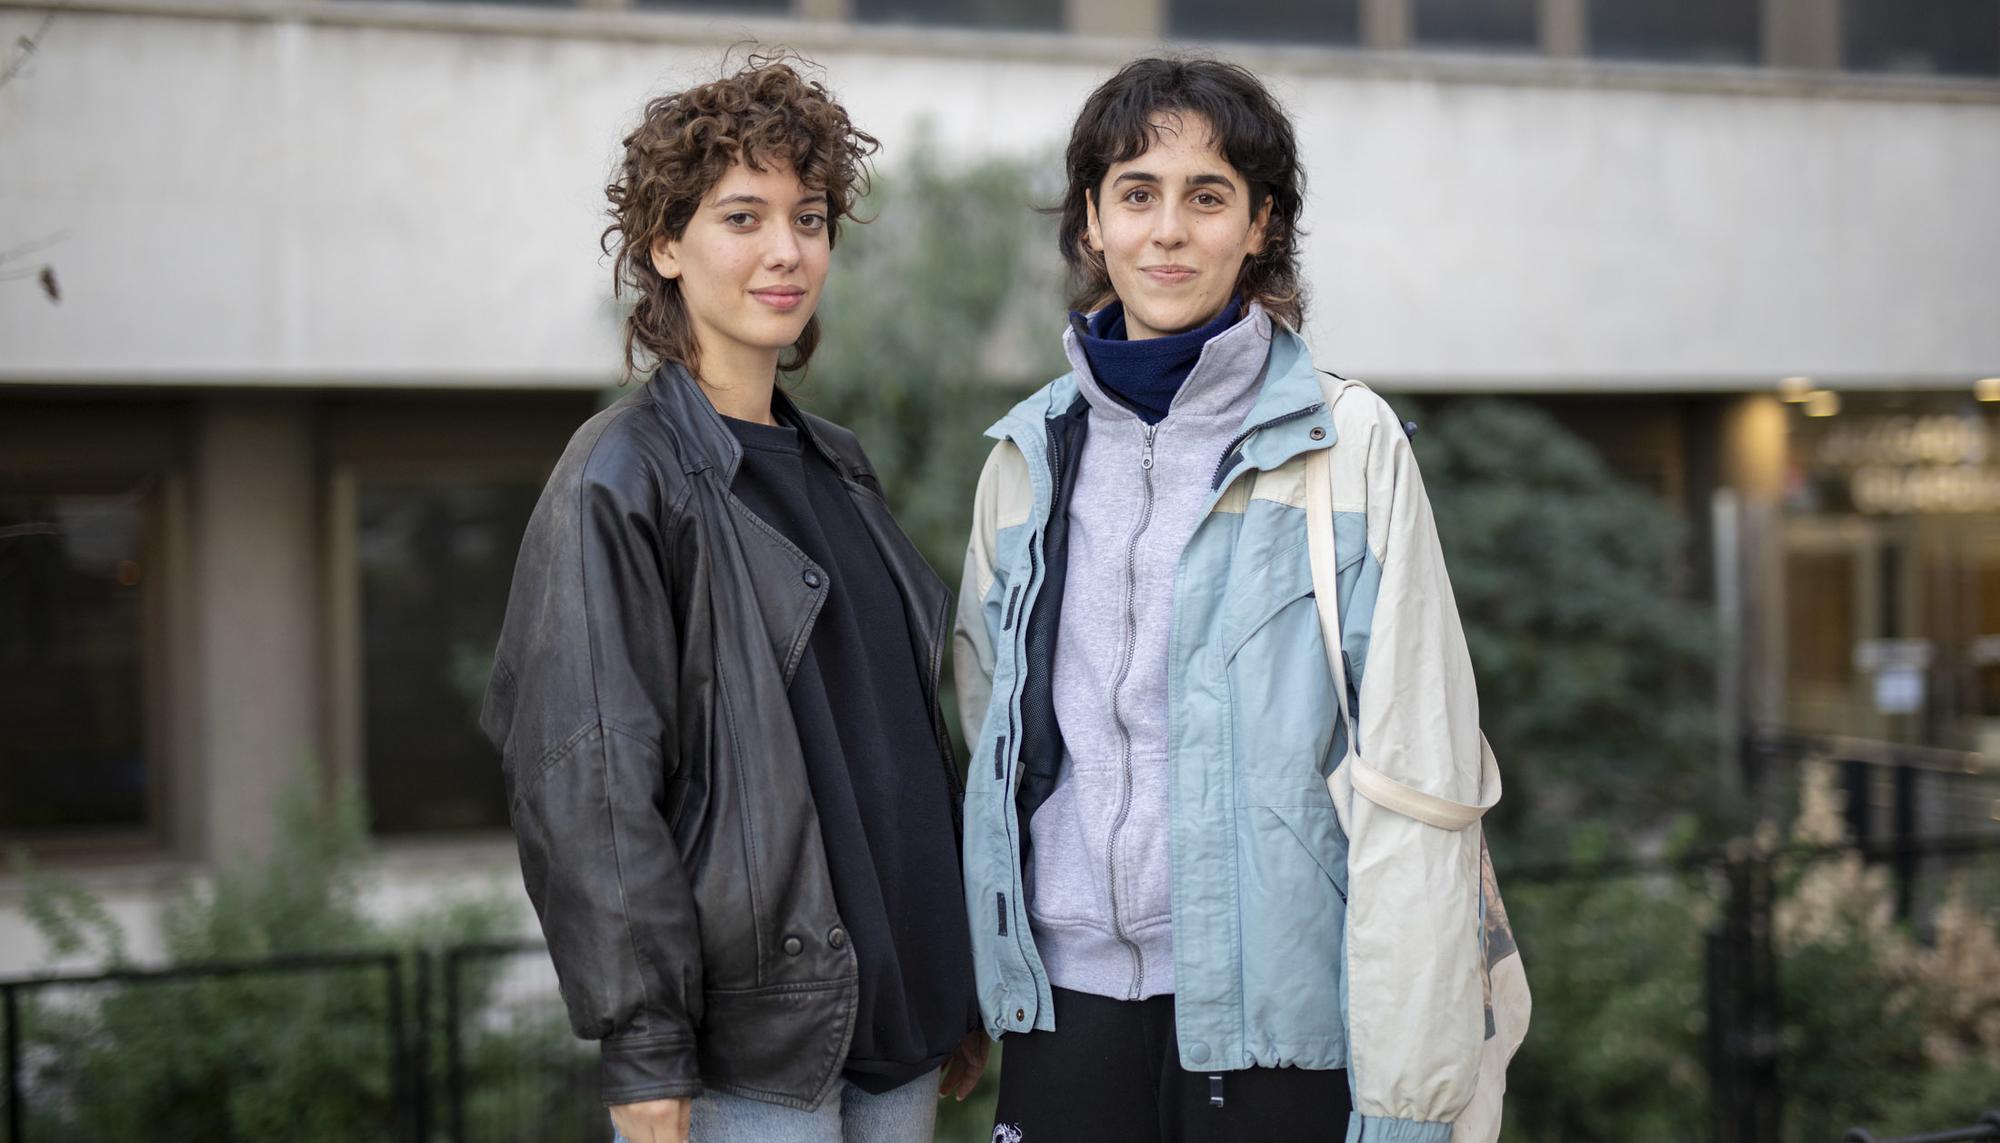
1260 228
666 257
1093 236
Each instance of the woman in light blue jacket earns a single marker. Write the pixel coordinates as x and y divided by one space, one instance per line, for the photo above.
1184 919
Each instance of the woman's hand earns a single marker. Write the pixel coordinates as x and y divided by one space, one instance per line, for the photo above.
966 1065
654 1121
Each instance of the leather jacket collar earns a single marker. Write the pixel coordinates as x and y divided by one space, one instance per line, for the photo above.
705 441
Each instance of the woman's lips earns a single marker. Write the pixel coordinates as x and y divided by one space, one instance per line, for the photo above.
782 298
1168 275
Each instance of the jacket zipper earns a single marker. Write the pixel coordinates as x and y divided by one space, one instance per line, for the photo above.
1229 450
1118 712
1014 737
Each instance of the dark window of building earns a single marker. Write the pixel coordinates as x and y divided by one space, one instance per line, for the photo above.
1949 37
1506 24
1676 31
1001 14
1284 21
74 751
435 560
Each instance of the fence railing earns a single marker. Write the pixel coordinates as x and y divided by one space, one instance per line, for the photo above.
1988 1128
513 1073
470 1043
63 1073
464 1043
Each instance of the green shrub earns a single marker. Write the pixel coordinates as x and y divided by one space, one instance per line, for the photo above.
1879 1029
304 1055
1876 1028
939 315
1614 1049
1595 667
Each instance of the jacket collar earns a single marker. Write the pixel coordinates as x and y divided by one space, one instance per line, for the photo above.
1023 422
1289 406
1231 363
704 439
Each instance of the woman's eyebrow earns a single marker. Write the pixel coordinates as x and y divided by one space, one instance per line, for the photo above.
1211 179
742 199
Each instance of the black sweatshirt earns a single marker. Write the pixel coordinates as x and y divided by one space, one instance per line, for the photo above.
872 760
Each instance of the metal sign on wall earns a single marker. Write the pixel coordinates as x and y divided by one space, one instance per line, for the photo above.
1917 456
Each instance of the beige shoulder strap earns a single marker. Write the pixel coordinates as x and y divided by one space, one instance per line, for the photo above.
1376 786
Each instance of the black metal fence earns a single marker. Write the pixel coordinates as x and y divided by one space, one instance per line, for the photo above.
1748 1004
468 1044
513 1073
1747 991
1984 1131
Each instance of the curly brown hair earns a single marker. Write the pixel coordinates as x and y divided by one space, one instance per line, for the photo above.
1251 130
766 113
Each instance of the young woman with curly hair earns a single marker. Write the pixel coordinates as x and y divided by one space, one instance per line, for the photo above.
716 692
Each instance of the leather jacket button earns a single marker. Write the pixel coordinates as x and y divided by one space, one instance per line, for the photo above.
1318 434
812 579
837 938
794 946
1020 1014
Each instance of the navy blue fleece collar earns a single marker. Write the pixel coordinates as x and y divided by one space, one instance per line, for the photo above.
1144 375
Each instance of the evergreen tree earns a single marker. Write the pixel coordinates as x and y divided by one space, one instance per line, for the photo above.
1595 669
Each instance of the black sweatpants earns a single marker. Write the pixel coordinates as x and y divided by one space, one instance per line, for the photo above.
1111 1073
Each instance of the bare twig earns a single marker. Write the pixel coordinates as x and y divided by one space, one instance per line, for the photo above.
45 275
25 47
32 245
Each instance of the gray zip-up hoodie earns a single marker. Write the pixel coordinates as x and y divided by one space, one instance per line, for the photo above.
1102 877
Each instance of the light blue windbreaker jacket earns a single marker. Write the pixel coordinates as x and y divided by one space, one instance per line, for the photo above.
1305 934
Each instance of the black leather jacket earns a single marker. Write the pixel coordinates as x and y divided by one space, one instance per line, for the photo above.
654 775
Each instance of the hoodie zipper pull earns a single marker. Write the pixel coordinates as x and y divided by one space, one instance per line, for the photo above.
1146 461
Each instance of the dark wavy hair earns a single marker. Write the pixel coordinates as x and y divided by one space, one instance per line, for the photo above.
1251 130
766 113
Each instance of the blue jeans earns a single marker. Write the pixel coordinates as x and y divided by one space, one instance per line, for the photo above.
907 1114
